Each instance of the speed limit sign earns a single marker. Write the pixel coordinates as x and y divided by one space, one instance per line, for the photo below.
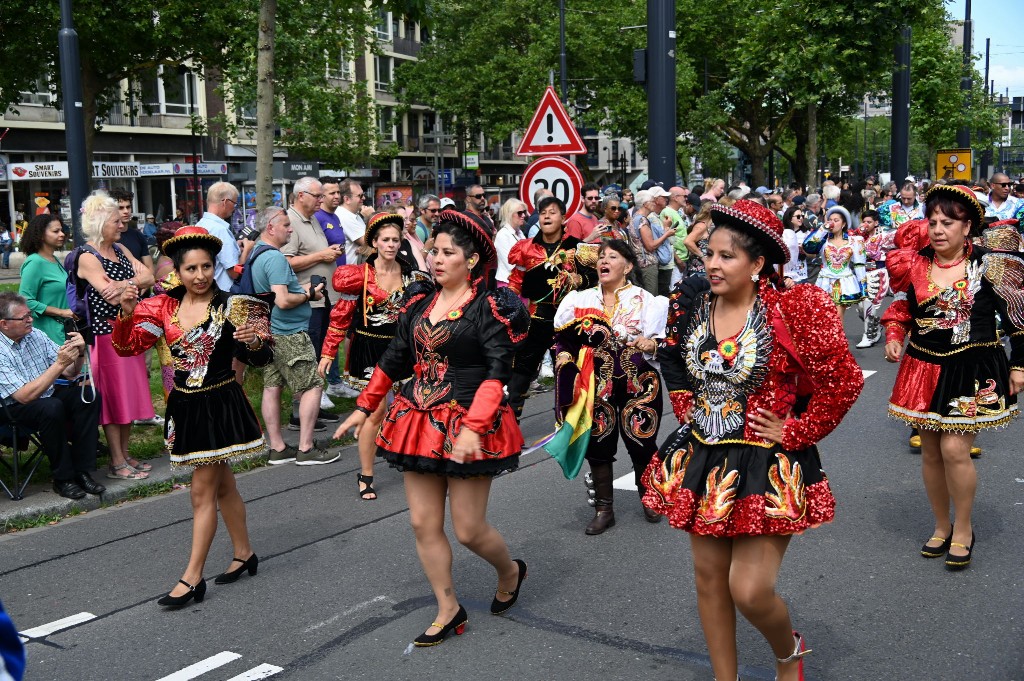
557 175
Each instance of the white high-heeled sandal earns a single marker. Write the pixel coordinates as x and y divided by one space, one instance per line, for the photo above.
799 652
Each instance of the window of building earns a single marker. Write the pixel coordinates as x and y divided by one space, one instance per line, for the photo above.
383 67
39 94
247 116
396 27
383 28
338 66
386 117
169 92
424 35
429 121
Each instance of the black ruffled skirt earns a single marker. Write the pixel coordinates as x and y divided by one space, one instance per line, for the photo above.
363 354
737 489
211 425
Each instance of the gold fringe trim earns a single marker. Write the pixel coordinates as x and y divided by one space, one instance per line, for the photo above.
239 452
933 421
205 388
987 344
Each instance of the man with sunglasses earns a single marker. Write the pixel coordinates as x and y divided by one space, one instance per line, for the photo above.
430 208
348 212
476 202
583 223
1001 205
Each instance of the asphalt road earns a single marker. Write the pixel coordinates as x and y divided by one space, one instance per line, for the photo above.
340 593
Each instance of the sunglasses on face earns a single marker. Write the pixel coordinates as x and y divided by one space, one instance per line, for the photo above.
522 213
475 196
1002 184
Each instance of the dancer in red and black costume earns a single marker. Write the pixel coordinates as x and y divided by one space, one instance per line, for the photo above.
371 297
954 380
544 270
450 429
757 375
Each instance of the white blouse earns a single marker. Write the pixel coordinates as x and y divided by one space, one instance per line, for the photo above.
638 313
504 240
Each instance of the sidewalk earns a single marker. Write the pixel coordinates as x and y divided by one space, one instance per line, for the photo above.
40 499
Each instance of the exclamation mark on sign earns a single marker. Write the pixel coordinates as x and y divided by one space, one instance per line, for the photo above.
551 127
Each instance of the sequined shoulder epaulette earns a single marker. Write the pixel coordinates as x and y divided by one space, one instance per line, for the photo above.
508 308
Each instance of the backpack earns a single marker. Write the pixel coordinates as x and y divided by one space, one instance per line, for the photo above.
243 285
76 288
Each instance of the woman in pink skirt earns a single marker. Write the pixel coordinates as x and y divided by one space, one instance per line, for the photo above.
122 382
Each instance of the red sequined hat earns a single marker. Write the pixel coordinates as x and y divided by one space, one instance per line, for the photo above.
378 220
760 222
191 235
963 196
483 241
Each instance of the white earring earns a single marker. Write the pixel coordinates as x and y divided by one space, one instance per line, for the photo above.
755 277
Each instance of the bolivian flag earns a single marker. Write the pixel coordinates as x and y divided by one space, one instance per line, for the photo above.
568 444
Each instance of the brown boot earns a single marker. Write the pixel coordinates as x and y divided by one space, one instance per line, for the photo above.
650 516
604 516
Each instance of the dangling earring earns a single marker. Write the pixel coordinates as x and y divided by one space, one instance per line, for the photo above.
755 277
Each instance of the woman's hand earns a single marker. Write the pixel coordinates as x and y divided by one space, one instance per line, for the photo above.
129 299
354 422
324 365
1016 381
245 334
467 444
644 344
767 425
112 292
894 350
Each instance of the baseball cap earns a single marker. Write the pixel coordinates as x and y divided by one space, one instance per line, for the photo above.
447 203
649 183
693 200
657 191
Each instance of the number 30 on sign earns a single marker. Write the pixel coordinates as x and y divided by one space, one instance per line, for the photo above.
557 175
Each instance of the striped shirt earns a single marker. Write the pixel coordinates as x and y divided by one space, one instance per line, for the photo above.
24 361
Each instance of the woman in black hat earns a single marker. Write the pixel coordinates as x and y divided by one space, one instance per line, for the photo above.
209 421
757 375
954 380
371 296
450 429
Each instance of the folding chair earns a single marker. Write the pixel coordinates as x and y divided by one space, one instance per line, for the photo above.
21 440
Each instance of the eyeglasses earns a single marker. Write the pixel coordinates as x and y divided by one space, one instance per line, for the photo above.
234 202
1002 184
595 197
358 196
798 216
522 213
27 318
316 196
475 196
614 207
431 210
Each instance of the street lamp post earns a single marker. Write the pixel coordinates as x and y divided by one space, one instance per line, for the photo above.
74 120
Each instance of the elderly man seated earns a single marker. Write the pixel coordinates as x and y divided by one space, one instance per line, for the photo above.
40 388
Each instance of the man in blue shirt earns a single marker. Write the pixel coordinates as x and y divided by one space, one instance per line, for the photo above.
295 363
221 199
327 217
39 386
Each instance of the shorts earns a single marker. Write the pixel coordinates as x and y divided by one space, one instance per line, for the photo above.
294 364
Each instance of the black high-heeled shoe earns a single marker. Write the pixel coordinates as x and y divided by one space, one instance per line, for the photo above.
937 551
959 562
250 564
197 592
498 607
458 625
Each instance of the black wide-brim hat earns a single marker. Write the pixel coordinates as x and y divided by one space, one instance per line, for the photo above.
191 236
758 221
483 241
965 197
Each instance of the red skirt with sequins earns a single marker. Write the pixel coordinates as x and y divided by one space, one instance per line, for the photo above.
735 490
964 393
421 440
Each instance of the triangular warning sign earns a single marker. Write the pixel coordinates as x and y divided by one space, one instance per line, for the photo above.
551 131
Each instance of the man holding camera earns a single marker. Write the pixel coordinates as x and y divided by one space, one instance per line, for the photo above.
40 388
295 360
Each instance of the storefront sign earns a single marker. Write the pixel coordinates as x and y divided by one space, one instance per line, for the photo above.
472 160
201 168
56 170
104 169
155 169
293 170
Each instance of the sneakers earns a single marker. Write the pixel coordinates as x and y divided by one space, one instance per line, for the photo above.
546 371
341 390
155 421
325 401
293 424
866 342
286 455
315 456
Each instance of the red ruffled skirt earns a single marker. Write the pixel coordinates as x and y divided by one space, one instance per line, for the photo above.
734 490
421 440
963 393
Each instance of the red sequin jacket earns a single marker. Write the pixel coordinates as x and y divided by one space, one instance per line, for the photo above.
811 374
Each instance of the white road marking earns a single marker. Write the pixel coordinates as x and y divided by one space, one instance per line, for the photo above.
47 629
203 666
345 613
867 373
625 482
260 672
